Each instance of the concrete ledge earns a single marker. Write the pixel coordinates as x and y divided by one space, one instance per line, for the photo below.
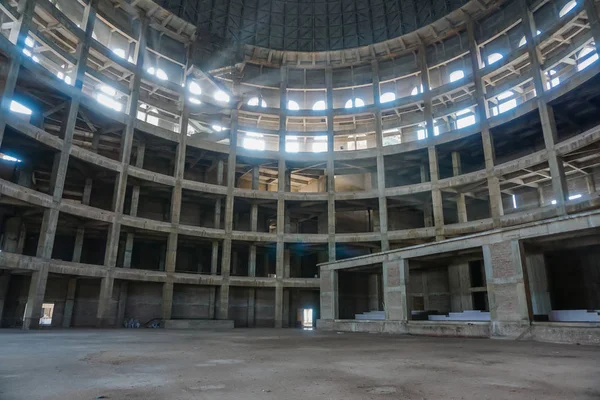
479 329
364 326
198 324
571 333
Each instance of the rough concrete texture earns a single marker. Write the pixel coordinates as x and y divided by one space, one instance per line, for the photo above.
287 364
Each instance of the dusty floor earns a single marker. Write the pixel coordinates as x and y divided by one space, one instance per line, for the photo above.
287 364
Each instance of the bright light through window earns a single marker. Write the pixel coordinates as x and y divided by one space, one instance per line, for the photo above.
464 122
457 75
358 102
254 102
254 141
523 40
292 105
319 105
506 105
221 96
567 8
495 57
291 144
195 88
6 157
106 97
575 197
159 73
319 144
194 100
217 128
552 82
589 60
29 42
416 90
514 200
387 97
19 108
119 52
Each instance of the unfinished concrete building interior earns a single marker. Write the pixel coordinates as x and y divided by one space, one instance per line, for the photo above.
406 167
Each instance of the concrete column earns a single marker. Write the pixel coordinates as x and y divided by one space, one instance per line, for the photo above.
330 172
557 172
4 281
395 290
78 244
251 307
281 214
123 293
592 12
329 295
383 212
18 34
214 261
436 194
69 303
114 231
506 289
461 204
106 290
590 183
495 195
167 300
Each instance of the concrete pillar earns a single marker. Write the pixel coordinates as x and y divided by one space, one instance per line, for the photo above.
461 204
12 234
78 244
106 290
397 300
495 195
506 289
436 194
330 172
69 303
167 300
557 172
251 307
329 295
383 212
123 293
591 10
4 281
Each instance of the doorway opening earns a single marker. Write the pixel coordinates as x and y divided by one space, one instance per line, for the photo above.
47 311
307 318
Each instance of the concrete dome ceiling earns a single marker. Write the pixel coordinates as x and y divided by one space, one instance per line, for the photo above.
309 25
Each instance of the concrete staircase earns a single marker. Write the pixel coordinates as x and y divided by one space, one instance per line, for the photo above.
574 316
472 315
371 315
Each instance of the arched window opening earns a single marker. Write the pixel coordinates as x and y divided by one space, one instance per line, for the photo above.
357 102
195 88
567 8
255 100
387 97
523 40
159 73
119 52
292 105
416 90
494 58
319 105
582 61
457 75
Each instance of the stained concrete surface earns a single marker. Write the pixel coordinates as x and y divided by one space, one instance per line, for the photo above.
287 364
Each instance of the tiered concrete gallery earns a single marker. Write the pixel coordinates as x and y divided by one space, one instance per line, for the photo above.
440 182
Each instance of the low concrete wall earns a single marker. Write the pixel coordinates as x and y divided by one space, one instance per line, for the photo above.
198 324
569 333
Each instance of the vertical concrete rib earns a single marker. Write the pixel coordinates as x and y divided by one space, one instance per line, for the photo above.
555 162
383 214
330 171
481 115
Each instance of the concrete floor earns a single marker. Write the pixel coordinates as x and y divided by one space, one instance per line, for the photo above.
287 364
